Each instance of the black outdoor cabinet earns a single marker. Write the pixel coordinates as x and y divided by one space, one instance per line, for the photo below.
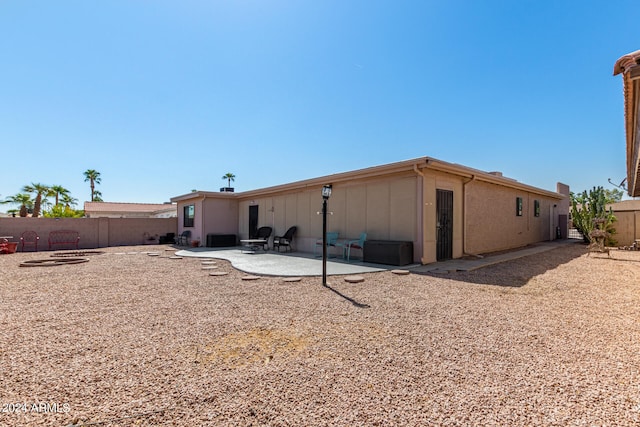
221 240
390 252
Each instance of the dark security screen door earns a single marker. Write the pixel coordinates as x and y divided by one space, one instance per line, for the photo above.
253 221
444 212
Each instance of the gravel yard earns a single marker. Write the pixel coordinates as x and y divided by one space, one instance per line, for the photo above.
128 339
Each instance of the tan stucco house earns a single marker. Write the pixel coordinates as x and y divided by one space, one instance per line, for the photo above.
446 210
629 67
129 210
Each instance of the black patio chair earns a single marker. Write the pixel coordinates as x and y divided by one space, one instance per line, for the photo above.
286 240
264 233
183 238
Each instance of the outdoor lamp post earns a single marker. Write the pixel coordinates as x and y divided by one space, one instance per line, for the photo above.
326 193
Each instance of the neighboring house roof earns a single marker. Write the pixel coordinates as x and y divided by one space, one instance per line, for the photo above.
415 165
133 208
629 67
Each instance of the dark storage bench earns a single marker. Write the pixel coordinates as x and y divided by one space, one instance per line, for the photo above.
388 252
221 240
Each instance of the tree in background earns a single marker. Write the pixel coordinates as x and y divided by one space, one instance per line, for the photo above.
93 177
613 196
40 190
61 211
60 192
229 177
586 208
64 208
68 200
22 199
97 196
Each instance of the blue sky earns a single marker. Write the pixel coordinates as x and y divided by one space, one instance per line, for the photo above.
162 97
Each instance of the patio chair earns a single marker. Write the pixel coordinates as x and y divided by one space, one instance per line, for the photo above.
286 240
29 238
183 238
263 233
352 244
332 239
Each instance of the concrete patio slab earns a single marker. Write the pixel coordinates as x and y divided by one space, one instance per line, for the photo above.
281 264
303 264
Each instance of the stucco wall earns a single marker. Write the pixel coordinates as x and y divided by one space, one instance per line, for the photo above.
492 223
212 216
384 208
94 232
627 227
220 216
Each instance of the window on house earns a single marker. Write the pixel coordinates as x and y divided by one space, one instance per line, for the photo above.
189 215
536 207
518 206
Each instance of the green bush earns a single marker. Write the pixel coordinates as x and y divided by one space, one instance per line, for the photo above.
60 211
586 208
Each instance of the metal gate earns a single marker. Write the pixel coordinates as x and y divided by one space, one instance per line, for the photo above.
444 212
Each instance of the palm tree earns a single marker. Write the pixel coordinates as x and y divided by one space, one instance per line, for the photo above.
93 177
22 199
60 192
97 196
229 177
68 200
40 190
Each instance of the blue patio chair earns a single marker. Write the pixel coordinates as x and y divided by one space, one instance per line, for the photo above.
332 240
353 244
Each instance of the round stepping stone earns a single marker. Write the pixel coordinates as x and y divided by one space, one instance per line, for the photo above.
354 279
218 273
153 254
209 267
175 257
208 262
292 279
401 272
250 277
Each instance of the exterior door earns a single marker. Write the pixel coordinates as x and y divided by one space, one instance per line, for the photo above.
444 224
253 221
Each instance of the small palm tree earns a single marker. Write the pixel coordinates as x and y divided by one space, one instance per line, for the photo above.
40 190
22 199
229 177
93 177
68 200
60 193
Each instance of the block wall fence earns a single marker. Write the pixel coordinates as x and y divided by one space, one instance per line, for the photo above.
94 232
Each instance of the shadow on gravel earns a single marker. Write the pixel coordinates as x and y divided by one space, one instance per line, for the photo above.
351 300
518 272
612 258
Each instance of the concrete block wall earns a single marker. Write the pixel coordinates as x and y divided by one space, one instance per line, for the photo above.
94 232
